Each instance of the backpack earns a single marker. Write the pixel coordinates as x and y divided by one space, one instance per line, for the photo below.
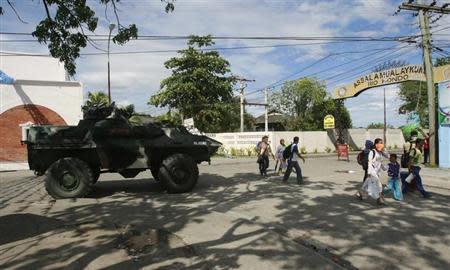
360 158
405 158
287 152
258 148
363 158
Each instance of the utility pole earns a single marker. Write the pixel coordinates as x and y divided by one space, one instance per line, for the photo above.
111 27
385 124
266 116
242 106
243 84
423 11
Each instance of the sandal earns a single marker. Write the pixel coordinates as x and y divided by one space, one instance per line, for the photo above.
359 196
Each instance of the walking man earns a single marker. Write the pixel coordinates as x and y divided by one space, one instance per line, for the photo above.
414 168
264 151
293 163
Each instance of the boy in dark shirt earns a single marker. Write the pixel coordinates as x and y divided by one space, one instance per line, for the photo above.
394 183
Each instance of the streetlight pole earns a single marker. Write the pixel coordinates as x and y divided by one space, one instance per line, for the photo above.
111 27
385 123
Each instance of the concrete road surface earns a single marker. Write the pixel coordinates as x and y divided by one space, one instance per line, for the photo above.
234 219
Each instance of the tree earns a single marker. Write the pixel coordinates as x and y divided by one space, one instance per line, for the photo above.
99 99
442 61
306 102
127 111
415 97
66 22
378 126
200 86
96 98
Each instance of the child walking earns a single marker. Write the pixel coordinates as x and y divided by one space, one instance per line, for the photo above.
394 185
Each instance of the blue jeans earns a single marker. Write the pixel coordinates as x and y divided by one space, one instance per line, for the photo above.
415 170
394 185
298 170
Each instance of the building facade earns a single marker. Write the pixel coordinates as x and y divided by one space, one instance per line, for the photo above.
40 94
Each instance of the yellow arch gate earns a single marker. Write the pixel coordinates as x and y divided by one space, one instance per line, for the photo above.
390 76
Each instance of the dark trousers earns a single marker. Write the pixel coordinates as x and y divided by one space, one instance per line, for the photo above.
298 170
417 181
263 164
426 155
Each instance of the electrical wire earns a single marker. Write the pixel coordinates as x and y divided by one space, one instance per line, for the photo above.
305 38
282 81
377 60
177 50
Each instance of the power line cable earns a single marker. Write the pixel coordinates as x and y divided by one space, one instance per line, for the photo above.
381 58
279 82
161 37
442 29
360 72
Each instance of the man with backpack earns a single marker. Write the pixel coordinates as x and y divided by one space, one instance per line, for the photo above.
415 156
291 154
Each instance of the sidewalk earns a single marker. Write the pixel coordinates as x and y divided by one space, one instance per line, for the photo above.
13 166
436 177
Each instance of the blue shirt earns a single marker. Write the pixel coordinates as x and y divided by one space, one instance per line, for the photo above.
394 169
294 152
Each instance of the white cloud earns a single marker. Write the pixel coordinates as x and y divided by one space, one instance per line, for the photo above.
136 77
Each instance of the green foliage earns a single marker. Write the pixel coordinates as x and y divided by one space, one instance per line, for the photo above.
200 87
306 102
328 149
442 61
415 97
315 151
303 150
378 126
235 152
407 129
173 118
96 98
127 111
66 22
221 151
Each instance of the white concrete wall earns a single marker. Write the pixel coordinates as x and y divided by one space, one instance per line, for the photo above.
40 80
26 67
312 141
394 137
65 98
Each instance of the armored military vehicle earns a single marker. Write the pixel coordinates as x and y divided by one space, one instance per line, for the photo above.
73 157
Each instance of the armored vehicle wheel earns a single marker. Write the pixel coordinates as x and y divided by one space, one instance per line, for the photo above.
68 178
178 173
155 171
95 175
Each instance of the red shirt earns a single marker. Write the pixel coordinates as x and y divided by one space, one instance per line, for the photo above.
426 144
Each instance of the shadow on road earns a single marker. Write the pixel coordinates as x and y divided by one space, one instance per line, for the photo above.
332 220
17 227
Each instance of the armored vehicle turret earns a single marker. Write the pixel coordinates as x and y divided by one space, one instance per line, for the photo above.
73 157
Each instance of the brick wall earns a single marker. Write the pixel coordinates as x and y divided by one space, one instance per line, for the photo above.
11 149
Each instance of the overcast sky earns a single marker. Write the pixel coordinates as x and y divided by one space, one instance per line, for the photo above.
135 77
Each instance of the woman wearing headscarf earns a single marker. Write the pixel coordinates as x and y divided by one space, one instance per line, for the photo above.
372 185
